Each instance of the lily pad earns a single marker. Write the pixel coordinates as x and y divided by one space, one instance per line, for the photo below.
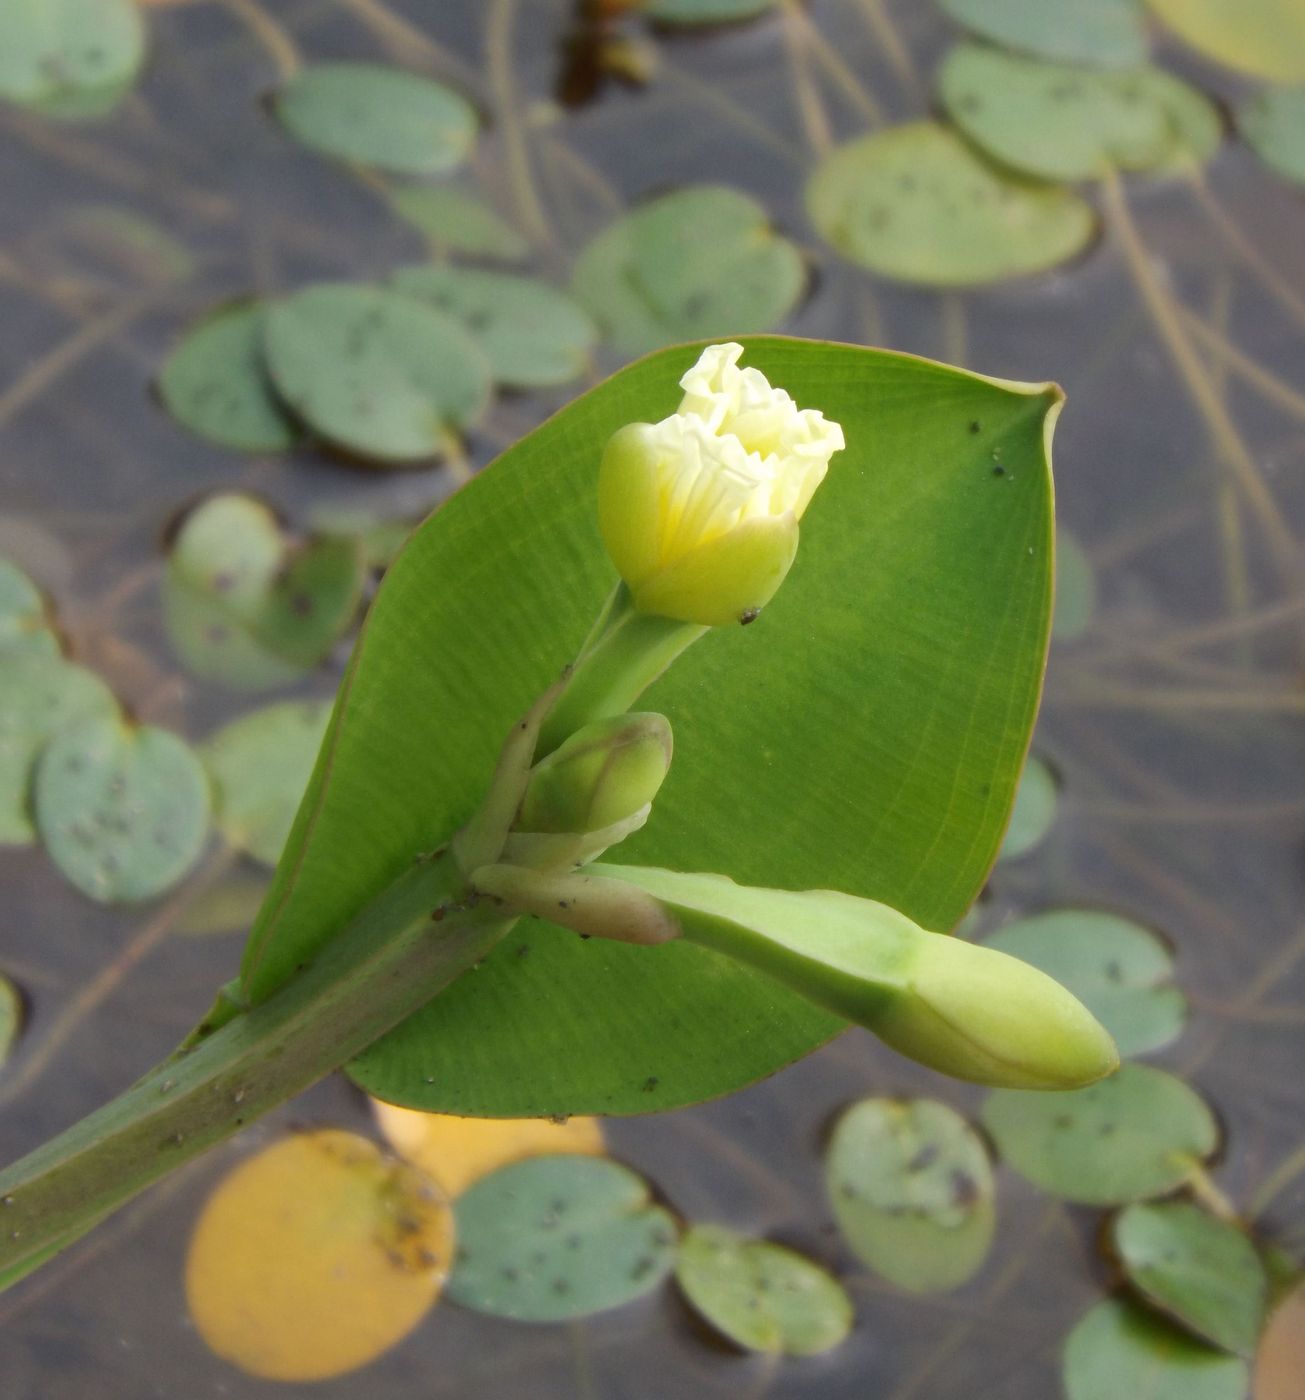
59 53
559 1237
214 383
39 695
1076 588
1202 1271
1280 1362
1034 810
918 203
11 1016
456 1152
24 621
760 1295
703 262
316 1256
455 221
377 116
244 605
83 104
1101 33
1131 1136
705 11
373 372
1120 1350
122 811
531 333
1119 970
912 1190
259 766
1265 38
1274 123
1067 123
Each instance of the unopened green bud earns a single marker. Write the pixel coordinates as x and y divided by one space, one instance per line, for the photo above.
968 1011
602 775
979 1014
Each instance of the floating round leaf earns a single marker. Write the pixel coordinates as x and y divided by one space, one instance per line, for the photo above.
455 1152
1059 122
1263 37
1274 123
61 53
912 1191
531 333
701 262
316 1256
24 624
39 695
1120 971
1202 1271
11 1016
559 1237
243 606
122 811
1280 1362
1034 809
1104 33
455 221
83 104
1129 1137
918 203
1196 128
1076 588
215 384
259 766
1119 1351
378 116
705 11
760 1295
373 372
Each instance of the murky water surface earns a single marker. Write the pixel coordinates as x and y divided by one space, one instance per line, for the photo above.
1174 721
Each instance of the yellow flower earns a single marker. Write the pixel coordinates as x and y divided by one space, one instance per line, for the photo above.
700 512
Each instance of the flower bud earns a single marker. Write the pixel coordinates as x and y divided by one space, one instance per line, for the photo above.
601 775
969 1011
980 1014
700 512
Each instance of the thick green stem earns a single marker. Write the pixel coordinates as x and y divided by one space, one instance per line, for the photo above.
393 957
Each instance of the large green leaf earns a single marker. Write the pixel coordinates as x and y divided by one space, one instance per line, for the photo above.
866 734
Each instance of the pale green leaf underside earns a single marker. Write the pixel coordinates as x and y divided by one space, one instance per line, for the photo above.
865 734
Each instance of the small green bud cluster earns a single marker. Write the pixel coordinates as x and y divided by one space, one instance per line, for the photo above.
601 775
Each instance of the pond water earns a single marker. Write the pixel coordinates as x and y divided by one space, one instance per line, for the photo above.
1172 718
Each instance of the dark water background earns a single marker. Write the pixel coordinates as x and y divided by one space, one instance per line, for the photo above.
1175 723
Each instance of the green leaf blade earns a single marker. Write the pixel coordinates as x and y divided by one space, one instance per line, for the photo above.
909 638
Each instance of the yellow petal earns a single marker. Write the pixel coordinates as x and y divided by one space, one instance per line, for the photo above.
629 502
457 1151
315 1256
726 579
